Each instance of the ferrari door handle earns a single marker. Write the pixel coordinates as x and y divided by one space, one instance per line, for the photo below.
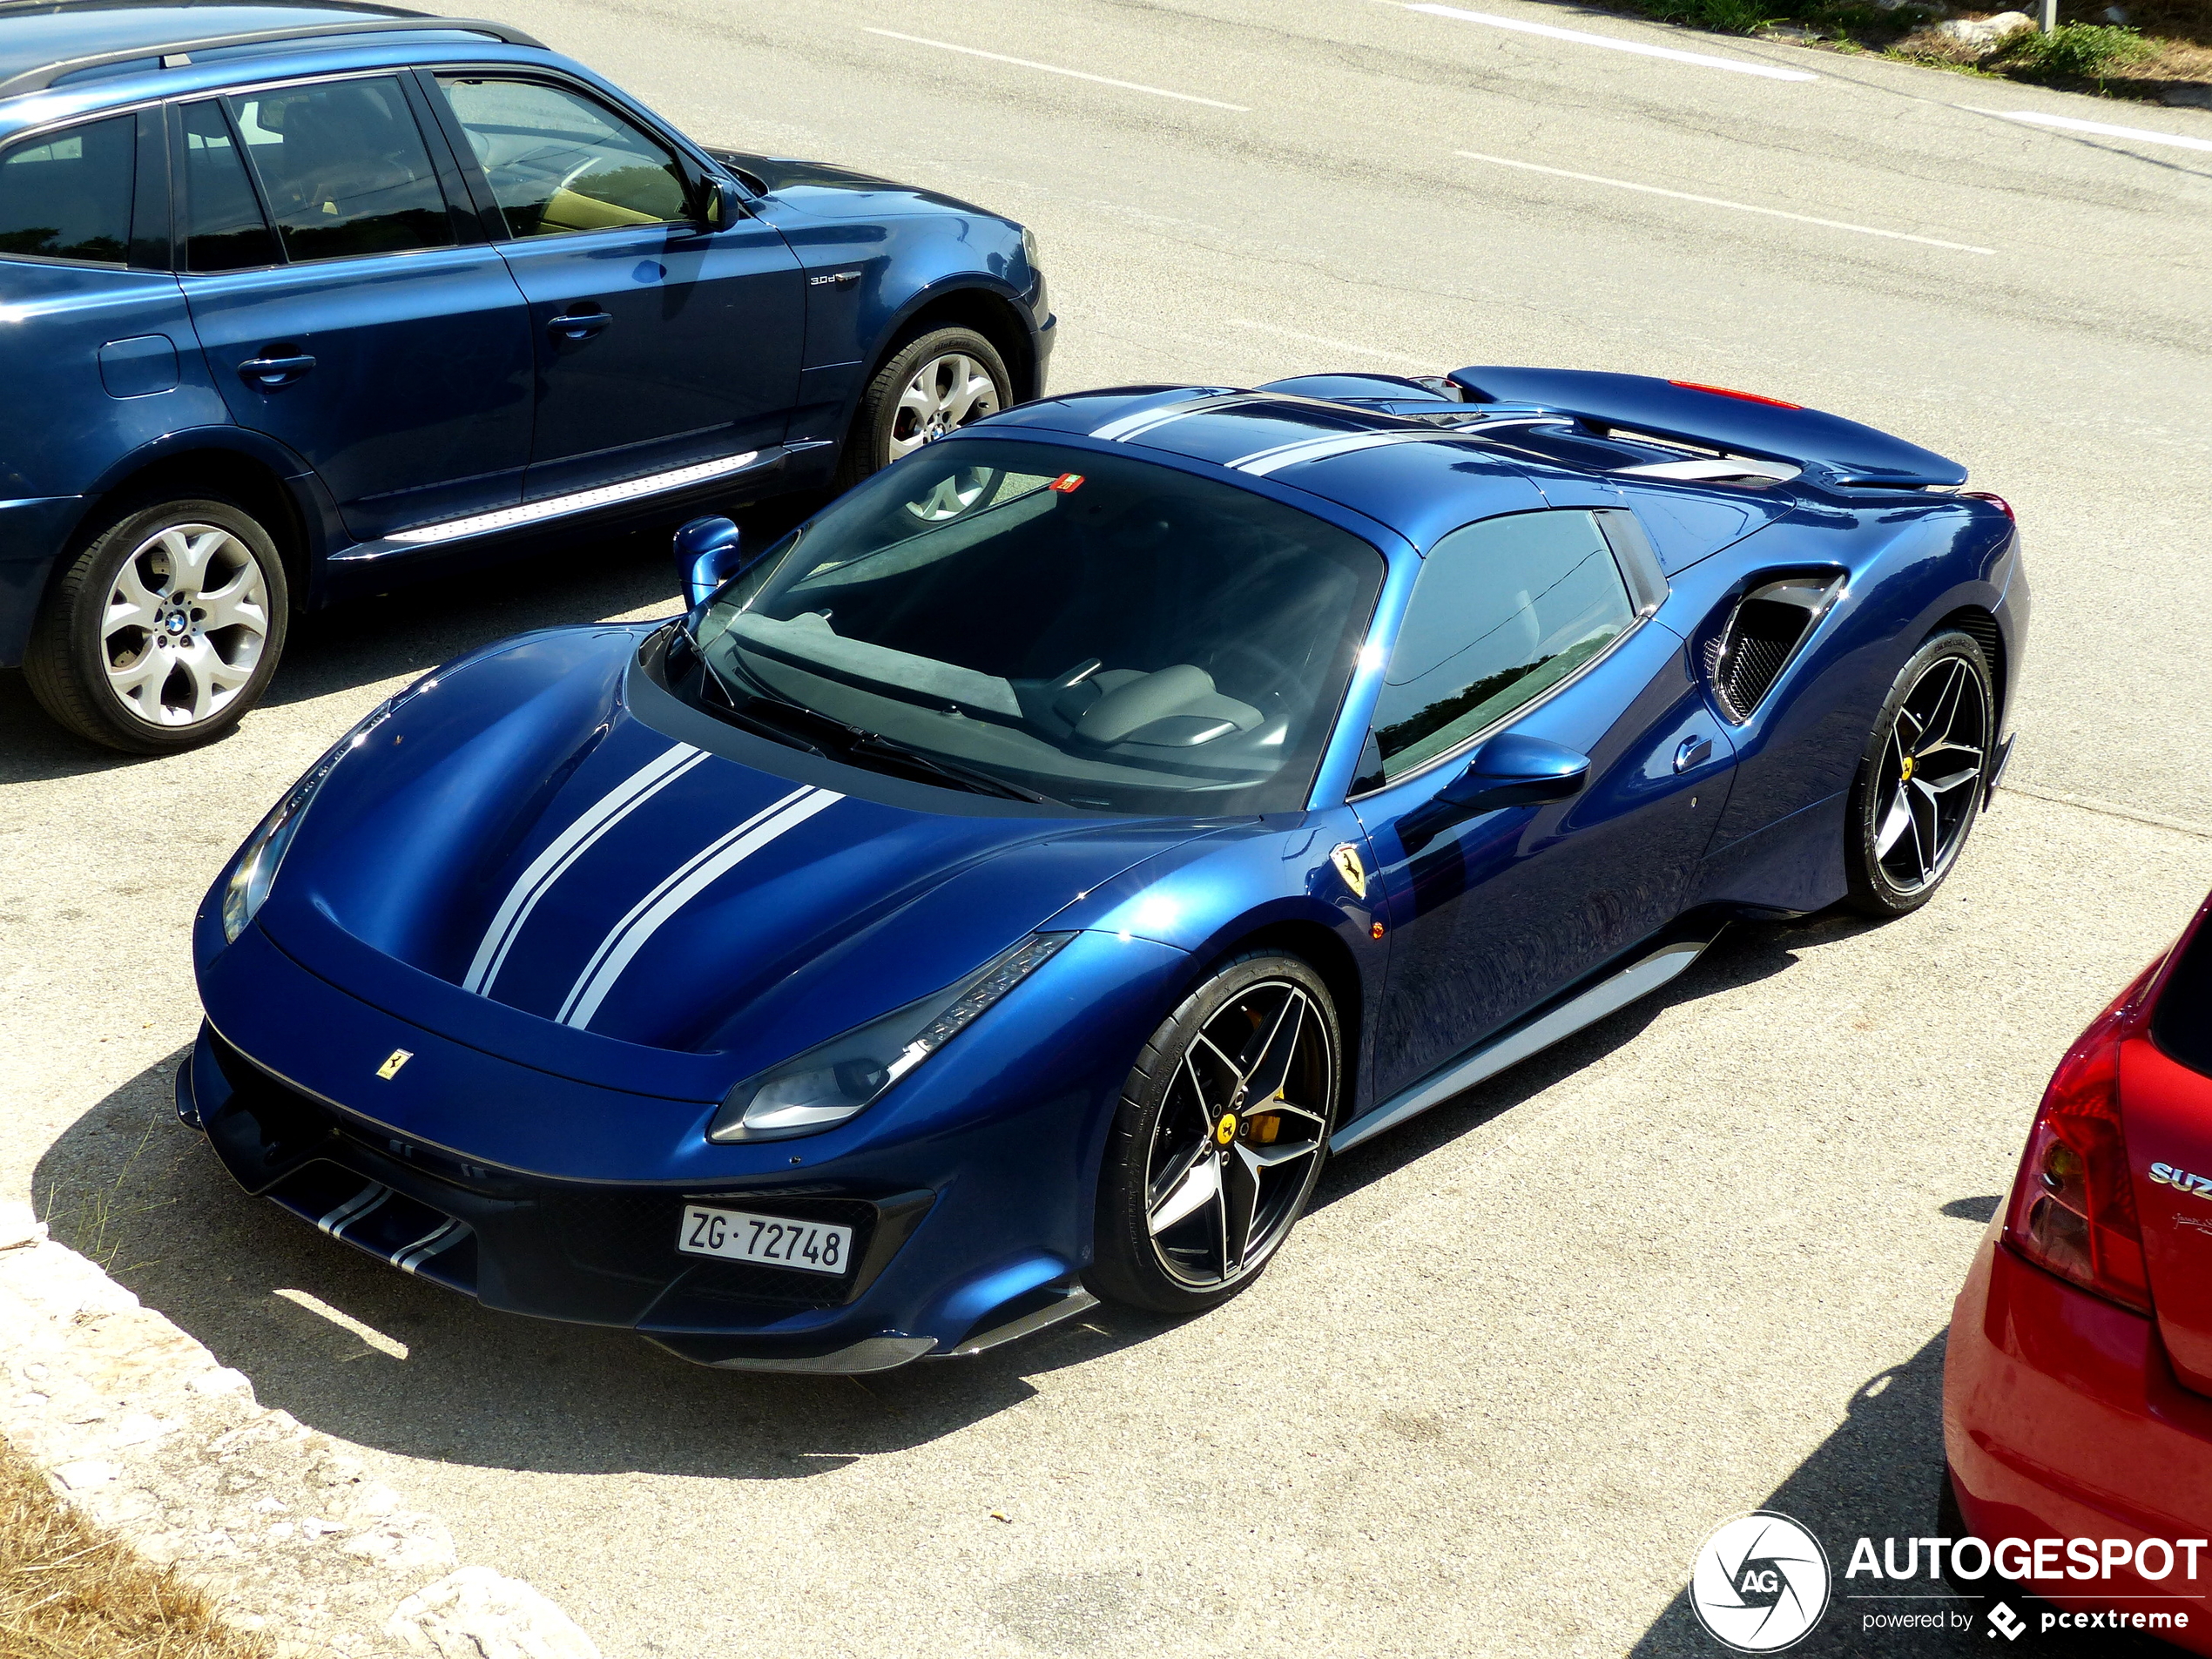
578 325
1694 752
269 373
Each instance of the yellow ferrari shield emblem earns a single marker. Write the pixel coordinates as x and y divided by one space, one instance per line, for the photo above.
393 1061
1225 1130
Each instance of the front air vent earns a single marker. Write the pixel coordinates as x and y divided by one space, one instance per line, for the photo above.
1766 630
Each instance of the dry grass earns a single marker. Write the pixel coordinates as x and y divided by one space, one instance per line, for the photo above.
69 1591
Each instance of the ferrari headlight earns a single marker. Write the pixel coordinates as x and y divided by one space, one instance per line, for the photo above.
265 849
838 1079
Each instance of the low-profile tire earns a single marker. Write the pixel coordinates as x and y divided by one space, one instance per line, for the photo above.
164 630
1223 1127
933 383
1921 778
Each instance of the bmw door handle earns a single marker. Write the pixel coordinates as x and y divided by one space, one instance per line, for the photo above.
578 325
1694 752
269 373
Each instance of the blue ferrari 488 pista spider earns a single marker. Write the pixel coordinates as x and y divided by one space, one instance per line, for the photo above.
1006 890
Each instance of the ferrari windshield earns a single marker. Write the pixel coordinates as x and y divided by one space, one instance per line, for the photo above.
1098 630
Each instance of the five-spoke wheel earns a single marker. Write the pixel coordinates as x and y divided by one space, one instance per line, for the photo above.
1922 777
164 630
1224 1128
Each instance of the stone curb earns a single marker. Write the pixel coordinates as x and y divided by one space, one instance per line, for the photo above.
139 1426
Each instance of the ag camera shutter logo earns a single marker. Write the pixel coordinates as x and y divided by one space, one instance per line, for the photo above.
1760 1582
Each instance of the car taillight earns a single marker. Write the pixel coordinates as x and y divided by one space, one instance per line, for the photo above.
1998 502
1730 391
2073 1209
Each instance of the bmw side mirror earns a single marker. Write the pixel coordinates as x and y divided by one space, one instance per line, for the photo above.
1513 770
721 205
706 557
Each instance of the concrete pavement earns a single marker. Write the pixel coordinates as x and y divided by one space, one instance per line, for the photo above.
1528 1352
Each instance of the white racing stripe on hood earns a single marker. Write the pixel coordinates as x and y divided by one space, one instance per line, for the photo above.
677 889
565 849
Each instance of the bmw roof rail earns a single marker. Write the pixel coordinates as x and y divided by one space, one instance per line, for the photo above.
177 54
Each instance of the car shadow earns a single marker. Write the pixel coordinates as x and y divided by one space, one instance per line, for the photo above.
1745 953
1878 1476
382 1359
363 642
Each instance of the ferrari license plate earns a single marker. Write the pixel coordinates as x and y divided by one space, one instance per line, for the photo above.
736 1235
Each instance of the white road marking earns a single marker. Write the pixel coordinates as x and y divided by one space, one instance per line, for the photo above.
1612 43
2075 124
1323 339
1714 201
1054 69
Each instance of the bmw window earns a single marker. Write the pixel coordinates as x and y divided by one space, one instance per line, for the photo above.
1099 630
67 195
1502 611
344 168
224 228
558 162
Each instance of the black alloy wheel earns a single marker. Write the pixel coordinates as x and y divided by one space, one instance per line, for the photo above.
1922 777
1223 1130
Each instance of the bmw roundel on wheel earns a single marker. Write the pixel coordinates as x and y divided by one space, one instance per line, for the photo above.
1008 890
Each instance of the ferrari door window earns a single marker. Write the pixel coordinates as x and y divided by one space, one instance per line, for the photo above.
1502 611
345 169
559 162
224 228
1094 629
67 195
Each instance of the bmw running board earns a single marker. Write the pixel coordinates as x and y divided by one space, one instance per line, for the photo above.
1586 1008
525 514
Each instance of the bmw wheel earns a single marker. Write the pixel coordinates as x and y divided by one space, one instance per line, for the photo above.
163 630
935 383
1921 778
1223 1130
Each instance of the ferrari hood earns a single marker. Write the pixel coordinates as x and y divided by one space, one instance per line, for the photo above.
528 864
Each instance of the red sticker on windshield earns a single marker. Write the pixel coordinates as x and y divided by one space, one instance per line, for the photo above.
1068 482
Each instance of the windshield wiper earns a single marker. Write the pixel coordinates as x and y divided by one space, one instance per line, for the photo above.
770 729
779 715
983 783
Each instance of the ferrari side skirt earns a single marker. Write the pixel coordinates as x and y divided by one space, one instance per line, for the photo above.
1650 970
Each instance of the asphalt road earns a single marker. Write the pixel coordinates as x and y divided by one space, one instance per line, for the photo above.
1526 1353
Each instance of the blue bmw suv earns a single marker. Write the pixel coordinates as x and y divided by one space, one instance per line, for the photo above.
305 299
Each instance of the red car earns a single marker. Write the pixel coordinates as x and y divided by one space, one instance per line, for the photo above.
2077 1402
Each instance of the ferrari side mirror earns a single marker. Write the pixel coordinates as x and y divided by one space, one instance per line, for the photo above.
1513 770
706 557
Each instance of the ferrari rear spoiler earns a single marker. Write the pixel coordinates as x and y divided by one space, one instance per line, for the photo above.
1734 423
